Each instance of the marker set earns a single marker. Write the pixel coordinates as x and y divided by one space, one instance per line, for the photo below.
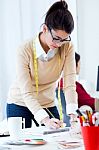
87 118
90 129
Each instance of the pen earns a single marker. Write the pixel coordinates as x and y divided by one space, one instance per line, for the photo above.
4 135
79 113
81 117
62 126
50 113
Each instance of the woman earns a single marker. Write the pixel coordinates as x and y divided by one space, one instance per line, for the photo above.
83 97
40 62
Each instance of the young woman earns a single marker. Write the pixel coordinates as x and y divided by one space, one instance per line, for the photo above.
40 62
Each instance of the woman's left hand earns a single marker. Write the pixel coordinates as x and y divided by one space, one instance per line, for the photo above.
75 124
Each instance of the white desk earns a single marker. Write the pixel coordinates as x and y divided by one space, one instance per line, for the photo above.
52 141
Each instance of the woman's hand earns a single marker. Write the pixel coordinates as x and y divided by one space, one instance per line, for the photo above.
73 119
75 123
52 123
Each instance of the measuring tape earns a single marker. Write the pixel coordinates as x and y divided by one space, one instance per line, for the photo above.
36 80
35 68
59 97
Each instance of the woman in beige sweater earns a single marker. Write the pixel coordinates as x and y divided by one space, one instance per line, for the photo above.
40 62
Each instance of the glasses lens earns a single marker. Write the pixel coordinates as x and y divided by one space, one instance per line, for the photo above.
59 40
56 40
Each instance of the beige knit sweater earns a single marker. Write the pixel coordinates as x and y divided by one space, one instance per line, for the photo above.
23 90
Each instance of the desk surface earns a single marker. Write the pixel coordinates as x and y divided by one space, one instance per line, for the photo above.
52 141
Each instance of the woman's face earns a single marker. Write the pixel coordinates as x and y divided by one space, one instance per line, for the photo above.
55 38
78 68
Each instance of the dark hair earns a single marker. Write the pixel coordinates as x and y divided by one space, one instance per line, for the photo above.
59 17
77 58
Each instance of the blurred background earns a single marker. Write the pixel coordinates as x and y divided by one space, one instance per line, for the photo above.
20 20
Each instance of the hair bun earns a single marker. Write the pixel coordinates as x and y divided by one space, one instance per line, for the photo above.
64 4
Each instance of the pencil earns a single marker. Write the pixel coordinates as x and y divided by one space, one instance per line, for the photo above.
62 126
50 113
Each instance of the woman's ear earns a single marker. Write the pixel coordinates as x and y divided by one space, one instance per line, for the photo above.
45 28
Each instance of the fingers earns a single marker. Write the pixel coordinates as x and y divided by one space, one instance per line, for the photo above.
55 123
75 128
73 118
52 123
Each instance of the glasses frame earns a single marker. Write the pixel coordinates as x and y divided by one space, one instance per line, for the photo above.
68 39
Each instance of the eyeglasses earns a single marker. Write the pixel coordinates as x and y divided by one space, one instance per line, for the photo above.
57 40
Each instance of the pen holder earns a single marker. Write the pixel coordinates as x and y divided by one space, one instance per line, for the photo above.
90 137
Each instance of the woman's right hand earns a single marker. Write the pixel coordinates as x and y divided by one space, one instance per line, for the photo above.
52 123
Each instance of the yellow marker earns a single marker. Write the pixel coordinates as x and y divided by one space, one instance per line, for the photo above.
83 118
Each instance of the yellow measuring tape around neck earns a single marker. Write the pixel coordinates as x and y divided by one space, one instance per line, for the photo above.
36 80
59 97
35 67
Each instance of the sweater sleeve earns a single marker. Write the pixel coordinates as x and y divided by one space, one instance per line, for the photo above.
69 71
25 85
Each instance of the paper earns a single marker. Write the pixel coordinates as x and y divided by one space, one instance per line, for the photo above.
4 148
68 145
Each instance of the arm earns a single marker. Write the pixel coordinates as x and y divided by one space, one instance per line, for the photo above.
25 83
69 80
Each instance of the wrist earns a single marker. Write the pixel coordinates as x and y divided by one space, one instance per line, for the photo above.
45 120
73 118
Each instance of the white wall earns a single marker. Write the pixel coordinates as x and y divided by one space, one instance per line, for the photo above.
19 21
88 40
73 8
10 37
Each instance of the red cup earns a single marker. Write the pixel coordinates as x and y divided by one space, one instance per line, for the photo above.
90 137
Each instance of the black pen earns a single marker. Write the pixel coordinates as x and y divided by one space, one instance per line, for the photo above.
79 113
4 135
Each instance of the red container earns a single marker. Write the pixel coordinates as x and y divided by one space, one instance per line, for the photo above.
91 137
